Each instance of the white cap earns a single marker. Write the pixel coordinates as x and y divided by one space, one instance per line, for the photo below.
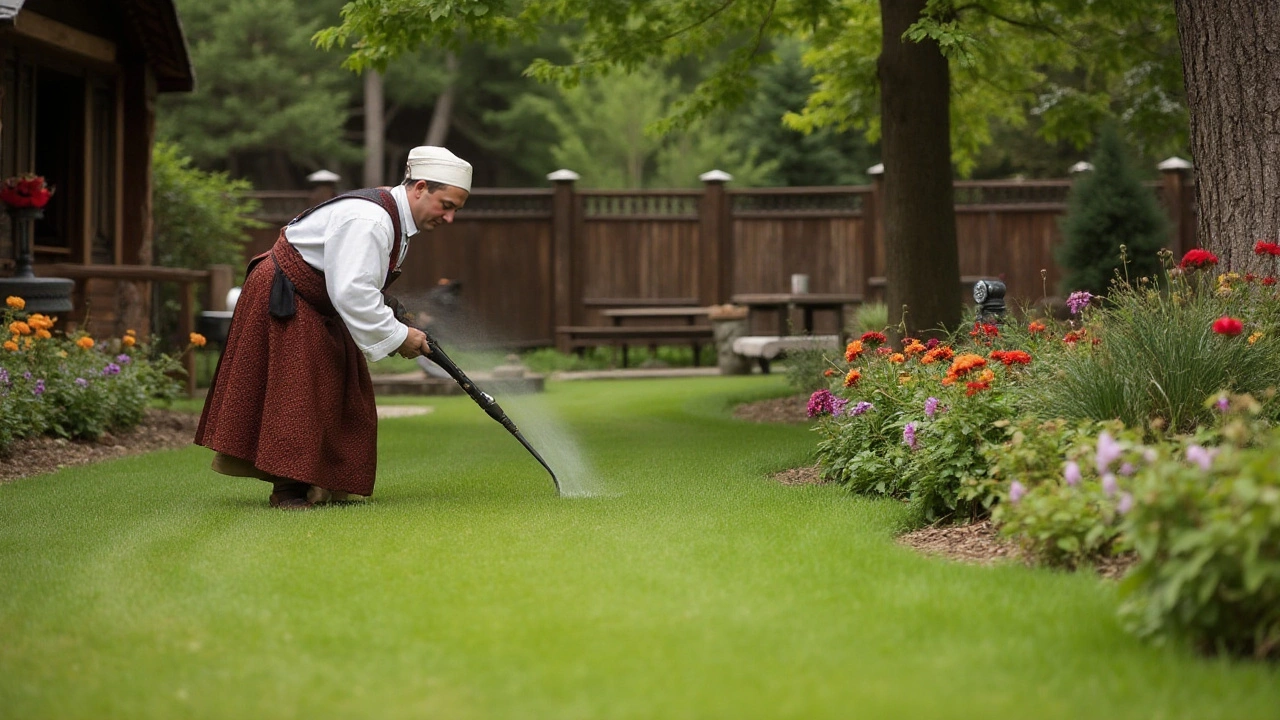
428 162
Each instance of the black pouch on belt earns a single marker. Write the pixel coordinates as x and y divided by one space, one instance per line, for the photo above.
283 304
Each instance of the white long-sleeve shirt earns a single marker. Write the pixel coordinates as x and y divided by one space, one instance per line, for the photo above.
350 241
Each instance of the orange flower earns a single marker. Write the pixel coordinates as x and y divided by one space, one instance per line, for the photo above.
1074 336
131 333
1037 327
197 339
852 351
43 334
40 322
26 342
942 352
963 365
15 302
11 346
17 327
852 378
128 341
828 372
1012 357
914 347
897 358
85 342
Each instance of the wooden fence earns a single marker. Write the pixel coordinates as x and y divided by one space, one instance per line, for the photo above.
530 260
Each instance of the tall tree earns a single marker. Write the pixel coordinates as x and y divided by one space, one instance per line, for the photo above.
1232 68
908 37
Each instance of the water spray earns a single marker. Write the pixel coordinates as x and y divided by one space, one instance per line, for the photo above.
482 398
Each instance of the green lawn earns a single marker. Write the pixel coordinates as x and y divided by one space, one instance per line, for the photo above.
150 587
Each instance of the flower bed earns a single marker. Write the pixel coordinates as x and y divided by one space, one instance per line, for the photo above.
74 386
1143 424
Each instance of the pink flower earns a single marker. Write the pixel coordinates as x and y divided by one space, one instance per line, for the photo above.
1125 504
1108 452
1228 326
1109 484
1201 456
1071 473
1016 491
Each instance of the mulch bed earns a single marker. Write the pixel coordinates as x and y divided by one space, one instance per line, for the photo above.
793 409
159 430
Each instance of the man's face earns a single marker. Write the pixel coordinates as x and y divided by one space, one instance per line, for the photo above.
433 208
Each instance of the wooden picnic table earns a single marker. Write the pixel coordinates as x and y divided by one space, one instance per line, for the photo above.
809 303
689 314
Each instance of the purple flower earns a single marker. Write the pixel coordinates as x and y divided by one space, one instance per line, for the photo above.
38 390
111 369
26 375
837 405
909 435
123 359
1125 504
930 407
819 402
1127 469
1071 473
1223 404
1201 456
862 407
1108 452
82 382
4 376
1078 301
1109 484
1016 491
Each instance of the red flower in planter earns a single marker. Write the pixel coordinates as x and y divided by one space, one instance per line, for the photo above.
25 191
1197 259
1228 326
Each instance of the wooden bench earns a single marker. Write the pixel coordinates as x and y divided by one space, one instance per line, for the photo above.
584 336
764 349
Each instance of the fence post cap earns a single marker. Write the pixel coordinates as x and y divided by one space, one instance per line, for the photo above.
1082 166
1174 163
323 176
876 170
715 176
563 175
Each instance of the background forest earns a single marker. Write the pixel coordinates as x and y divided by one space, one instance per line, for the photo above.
270 108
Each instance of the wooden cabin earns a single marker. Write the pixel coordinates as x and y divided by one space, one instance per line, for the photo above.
77 105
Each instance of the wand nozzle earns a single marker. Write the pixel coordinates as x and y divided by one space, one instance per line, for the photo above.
485 401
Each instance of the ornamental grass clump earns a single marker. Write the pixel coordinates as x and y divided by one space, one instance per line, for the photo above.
1153 350
74 386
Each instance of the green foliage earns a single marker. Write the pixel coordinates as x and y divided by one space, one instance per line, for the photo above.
869 317
261 86
1067 517
1209 543
1111 217
604 134
200 218
805 369
72 387
1076 63
1156 356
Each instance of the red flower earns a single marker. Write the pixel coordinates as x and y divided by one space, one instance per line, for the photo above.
1262 247
981 329
1036 327
25 191
1198 258
1269 281
873 338
1012 357
1228 326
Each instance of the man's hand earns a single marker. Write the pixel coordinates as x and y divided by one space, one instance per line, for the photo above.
415 344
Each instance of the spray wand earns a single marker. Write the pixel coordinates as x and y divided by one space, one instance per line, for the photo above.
482 398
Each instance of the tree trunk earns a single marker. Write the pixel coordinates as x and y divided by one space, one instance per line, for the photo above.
442 113
922 264
374 131
1231 66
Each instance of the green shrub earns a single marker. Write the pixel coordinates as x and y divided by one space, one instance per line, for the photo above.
868 317
1109 208
1206 528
